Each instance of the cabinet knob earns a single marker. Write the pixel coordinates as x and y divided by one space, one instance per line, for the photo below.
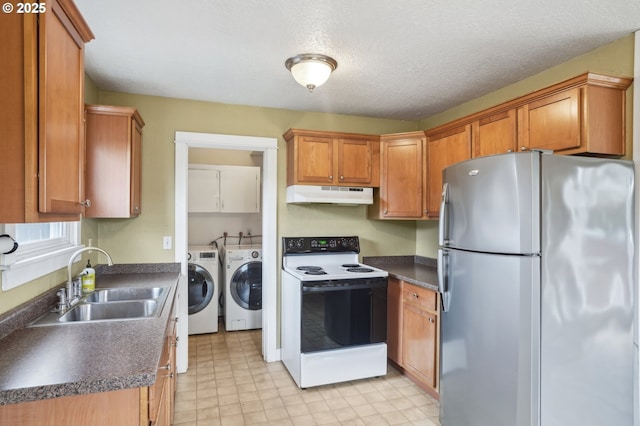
86 203
166 367
523 148
415 295
341 177
431 320
509 150
384 212
136 208
330 177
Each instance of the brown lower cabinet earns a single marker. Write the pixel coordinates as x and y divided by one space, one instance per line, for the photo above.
413 332
152 405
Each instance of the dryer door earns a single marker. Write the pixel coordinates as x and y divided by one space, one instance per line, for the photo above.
201 288
246 286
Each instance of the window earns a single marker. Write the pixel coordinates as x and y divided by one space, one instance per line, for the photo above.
43 249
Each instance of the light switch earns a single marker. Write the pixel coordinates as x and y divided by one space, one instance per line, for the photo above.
166 242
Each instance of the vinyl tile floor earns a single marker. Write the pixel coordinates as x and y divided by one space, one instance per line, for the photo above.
228 383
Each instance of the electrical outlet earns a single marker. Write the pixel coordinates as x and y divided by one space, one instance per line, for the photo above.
166 242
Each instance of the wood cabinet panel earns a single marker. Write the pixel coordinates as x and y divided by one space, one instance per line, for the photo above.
394 320
420 297
402 177
104 408
329 158
355 161
421 334
553 122
314 160
444 150
113 152
44 140
420 344
495 134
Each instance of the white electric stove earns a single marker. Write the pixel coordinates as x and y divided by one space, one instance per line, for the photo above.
334 312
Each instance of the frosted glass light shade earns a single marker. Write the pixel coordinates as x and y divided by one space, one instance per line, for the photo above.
311 70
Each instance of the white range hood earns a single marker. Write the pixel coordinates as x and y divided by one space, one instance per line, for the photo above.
344 195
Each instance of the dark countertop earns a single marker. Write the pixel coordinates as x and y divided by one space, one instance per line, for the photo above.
70 359
418 270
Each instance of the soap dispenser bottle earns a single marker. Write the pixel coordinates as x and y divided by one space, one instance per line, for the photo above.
88 278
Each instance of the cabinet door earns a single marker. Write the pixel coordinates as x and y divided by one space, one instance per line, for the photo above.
401 189
60 111
419 337
204 191
495 134
136 168
552 122
240 190
354 161
113 158
444 150
314 160
394 320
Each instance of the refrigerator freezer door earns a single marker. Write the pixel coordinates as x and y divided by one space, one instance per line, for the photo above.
492 204
587 292
488 350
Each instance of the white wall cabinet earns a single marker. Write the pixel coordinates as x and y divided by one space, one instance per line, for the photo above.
223 189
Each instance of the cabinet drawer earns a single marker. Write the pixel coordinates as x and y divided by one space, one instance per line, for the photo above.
156 390
420 297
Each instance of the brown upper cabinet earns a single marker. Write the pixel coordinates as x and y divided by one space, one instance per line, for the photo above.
43 106
495 134
114 147
403 177
443 150
585 115
329 158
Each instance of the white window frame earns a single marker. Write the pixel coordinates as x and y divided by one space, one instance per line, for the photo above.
37 259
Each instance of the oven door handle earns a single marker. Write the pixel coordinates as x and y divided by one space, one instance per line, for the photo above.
310 288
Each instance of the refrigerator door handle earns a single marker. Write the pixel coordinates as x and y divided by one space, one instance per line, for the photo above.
442 279
443 235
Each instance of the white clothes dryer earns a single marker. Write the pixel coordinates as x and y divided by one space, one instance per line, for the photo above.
203 289
242 270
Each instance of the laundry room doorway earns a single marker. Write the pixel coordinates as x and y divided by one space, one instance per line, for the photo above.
264 150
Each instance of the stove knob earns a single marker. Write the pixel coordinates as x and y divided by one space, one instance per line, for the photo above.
290 244
344 242
300 243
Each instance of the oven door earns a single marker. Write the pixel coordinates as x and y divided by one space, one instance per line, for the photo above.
343 313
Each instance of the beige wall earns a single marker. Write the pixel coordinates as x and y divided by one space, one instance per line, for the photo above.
89 229
140 239
613 59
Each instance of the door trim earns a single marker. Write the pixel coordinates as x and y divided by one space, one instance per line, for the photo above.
269 148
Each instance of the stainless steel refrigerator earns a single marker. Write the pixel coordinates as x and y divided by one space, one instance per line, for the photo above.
538 295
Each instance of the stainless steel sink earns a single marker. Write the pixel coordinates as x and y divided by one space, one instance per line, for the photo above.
104 295
109 311
111 304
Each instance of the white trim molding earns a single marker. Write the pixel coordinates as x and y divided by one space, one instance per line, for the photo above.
269 148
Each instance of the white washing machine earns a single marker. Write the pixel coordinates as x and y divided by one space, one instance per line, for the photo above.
242 270
203 289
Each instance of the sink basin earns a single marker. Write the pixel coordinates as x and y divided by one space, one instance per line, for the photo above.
110 311
111 304
104 295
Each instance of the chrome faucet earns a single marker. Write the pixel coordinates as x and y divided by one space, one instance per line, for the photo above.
71 296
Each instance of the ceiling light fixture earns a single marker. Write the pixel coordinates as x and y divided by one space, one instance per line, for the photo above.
310 69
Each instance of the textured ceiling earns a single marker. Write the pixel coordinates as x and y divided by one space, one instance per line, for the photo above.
403 59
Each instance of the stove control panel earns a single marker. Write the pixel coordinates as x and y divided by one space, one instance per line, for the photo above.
293 245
